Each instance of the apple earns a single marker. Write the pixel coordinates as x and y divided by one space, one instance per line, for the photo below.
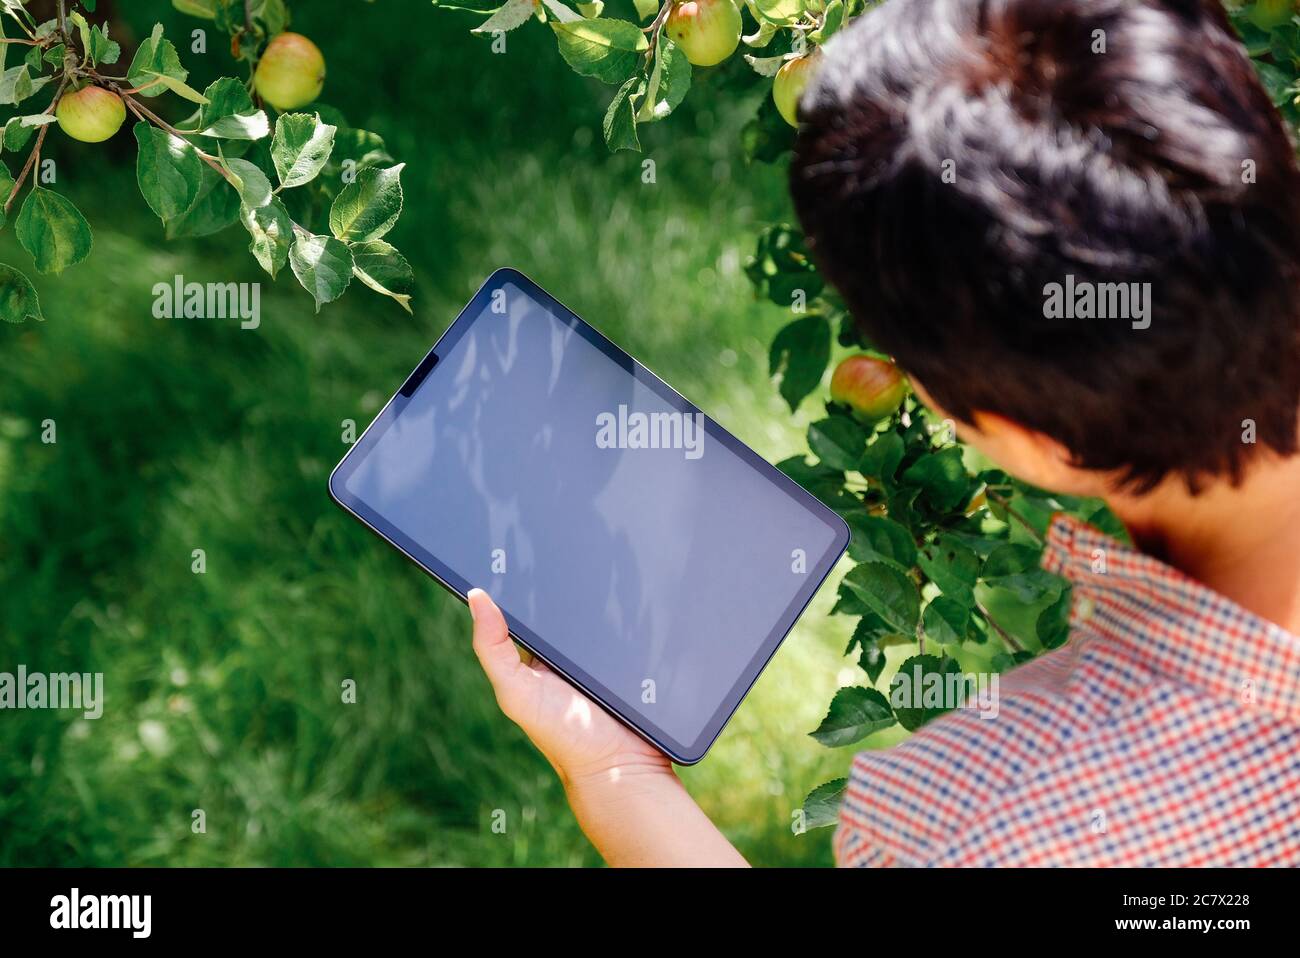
707 31
789 85
873 388
91 114
290 73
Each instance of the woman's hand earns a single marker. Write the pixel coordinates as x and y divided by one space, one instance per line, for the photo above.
623 790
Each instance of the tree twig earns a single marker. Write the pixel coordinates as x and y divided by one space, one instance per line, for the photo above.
1005 503
34 156
1006 636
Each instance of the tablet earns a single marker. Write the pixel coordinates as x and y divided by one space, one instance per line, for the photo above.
632 543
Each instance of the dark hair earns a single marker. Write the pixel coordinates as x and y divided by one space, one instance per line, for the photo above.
1160 160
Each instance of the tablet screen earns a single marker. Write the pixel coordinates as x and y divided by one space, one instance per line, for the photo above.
629 540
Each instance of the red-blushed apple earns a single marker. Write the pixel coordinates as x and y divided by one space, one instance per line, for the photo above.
790 82
873 388
291 72
707 31
91 114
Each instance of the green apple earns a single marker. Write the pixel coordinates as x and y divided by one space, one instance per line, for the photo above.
707 31
91 114
789 85
290 73
872 387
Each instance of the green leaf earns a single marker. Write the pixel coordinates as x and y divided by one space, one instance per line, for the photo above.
226 97
215 208
1008 559
1030 586
604 49
207 9
229 112
179 87
240 126
1104 519
823 482
838 441
1053 627
323 266
271 233
16 10
380 266
855 713
945 621
887 592
870 636
831 22
942 478
155 58
907 689
779 11
16 84
18 299
101 48
301 147
882 458
877 537
273 15
511 14
800 353
168 170
369 206
953 567
645 9
822 806
250 183
669 80
53 230
94 40
16 134
620 118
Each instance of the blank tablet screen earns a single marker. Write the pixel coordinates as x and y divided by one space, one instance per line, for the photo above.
629 540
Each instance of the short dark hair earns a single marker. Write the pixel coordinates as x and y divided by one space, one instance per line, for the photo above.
1160 160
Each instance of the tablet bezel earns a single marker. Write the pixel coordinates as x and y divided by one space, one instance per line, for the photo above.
682 753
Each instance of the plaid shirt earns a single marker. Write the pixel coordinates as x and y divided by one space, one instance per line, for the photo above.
1166 732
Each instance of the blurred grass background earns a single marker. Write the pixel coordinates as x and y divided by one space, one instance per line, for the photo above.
223 689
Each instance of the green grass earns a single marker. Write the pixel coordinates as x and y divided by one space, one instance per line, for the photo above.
223 689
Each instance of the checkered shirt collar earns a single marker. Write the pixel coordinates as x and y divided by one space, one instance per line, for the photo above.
1172 623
